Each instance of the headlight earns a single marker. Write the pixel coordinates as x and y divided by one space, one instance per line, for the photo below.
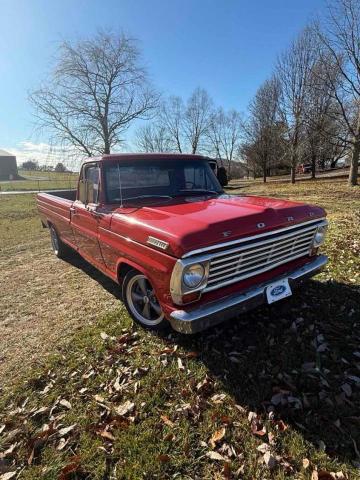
319 237
193 275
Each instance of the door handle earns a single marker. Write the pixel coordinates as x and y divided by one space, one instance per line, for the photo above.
73 210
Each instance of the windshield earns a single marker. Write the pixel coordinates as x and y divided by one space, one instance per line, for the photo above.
159 179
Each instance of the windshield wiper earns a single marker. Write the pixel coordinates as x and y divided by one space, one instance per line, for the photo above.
200 191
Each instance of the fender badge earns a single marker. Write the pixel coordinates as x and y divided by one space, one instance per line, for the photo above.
157 243
260 225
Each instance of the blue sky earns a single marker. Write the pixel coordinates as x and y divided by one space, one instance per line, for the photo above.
228 47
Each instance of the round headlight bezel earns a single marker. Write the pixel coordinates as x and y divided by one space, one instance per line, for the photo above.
319 237
190 272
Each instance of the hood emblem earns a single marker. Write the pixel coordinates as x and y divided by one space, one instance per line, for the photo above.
157 243
226 234
261 225
290 219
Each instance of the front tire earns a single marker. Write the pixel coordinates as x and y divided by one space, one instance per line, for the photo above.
141 302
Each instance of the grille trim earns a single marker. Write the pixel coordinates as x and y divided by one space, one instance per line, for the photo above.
255 257
318 221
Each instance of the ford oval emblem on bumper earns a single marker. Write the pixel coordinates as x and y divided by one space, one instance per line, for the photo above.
278 290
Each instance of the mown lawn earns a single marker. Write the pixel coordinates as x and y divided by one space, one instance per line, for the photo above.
39 181
274 394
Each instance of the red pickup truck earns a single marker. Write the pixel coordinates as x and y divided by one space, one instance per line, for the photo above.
182 250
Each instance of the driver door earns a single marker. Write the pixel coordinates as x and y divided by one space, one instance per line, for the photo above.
84 217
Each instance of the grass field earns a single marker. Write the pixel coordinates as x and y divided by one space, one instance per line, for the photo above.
274 394
38 181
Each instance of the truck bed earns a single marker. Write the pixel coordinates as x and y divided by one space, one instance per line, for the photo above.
54 207
66 194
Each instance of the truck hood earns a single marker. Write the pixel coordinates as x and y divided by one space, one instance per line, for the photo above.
193 222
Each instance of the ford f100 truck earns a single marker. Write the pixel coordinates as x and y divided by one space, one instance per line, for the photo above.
182 250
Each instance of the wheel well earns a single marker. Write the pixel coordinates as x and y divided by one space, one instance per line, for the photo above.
123 269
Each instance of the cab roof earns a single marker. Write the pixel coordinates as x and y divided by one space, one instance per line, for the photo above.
123 157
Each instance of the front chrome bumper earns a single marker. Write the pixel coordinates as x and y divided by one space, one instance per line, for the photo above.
215 312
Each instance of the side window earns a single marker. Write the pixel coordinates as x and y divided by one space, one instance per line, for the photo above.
91 175
195 177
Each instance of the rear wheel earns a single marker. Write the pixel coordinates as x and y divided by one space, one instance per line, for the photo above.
59 248
141 302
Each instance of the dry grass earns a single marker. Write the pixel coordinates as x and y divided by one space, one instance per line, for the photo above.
298 359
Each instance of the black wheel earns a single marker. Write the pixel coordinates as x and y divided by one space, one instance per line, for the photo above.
60 250
141 302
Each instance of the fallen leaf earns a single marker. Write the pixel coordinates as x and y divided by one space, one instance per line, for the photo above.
99 398
40 410
180 364
125 408
217 436
62 444
8 451
281 426
7 476
269 460
252 416
260 433
305 463
215 456
227 471
167 421
64 431
65 403
117 385
323 475
192 354
107 435
218 398
72 467
340 475
104 335
163 458
263 448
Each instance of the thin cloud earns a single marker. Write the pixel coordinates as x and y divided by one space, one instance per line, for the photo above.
46 154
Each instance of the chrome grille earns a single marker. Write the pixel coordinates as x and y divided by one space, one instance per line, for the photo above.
258 255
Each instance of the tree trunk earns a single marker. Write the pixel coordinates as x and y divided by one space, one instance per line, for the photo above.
106 147
264 174
293 168
313 165
354 165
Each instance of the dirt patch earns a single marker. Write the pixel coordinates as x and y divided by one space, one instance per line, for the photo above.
43 301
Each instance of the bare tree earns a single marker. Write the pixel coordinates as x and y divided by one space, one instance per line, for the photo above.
153 137
265 129
97 88
340 40
197 118
293 69
172 113
225 131
321 126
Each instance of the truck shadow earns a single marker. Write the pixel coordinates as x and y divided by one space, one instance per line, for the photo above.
78 262
297 359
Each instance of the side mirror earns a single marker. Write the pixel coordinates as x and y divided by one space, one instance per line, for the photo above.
222 176
83 191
